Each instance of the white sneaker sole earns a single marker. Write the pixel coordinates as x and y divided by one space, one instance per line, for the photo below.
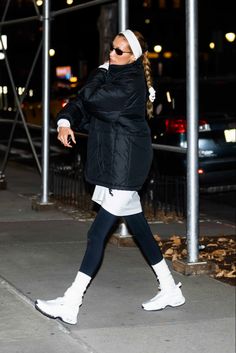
50 316
172 305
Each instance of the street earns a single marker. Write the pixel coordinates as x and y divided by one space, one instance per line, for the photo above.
219 206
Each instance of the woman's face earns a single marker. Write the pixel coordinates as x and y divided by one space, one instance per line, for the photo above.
120 46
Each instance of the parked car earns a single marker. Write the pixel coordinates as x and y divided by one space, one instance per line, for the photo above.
217 131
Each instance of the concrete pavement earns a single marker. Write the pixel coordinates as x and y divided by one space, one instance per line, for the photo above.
39 256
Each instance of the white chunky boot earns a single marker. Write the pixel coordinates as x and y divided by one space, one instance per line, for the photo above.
170 294
66 308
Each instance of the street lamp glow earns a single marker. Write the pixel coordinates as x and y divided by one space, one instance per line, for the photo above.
21 90
69 2
39 2
212 45
157 48
51 52
230 37
2 56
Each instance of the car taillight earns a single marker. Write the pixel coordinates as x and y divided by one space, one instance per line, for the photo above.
175 126
179 126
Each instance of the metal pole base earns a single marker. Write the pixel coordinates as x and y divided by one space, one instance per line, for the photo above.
193 268
121 242
3 182
121 237
38 205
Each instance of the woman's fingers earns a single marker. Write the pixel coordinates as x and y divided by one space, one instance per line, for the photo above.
66 136
72 136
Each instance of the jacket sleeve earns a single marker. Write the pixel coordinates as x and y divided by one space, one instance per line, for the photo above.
75 111
76 114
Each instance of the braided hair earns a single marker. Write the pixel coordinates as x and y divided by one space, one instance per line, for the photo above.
147 69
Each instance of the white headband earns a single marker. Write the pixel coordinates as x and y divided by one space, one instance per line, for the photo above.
133 43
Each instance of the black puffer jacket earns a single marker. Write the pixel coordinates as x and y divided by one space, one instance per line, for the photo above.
112 104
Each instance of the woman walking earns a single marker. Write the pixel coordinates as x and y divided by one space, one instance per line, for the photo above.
113 106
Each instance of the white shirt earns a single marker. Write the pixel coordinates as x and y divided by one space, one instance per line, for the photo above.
117 202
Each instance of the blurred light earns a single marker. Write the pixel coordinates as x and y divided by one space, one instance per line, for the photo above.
4 42
63 72
5 90
212 45
39 2
69 2
168 96
21 90
176 4
152 55
157 48
147 21
31 93
147 3
230 36
200 171
162 4
168 55
52 52
2 56
64 102
183 144
73 79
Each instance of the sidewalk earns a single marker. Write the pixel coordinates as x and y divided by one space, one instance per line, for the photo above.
39 256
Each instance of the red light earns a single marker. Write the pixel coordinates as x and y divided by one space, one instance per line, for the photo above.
176 126
200 171
179 125
64 103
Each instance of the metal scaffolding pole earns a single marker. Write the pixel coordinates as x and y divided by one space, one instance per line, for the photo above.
192 131
46 100
123 13
123 16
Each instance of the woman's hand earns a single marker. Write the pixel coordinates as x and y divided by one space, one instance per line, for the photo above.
65 134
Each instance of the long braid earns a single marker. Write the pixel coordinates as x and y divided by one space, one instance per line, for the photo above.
147 70
149 81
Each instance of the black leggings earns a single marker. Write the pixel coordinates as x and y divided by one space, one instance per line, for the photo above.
99 231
